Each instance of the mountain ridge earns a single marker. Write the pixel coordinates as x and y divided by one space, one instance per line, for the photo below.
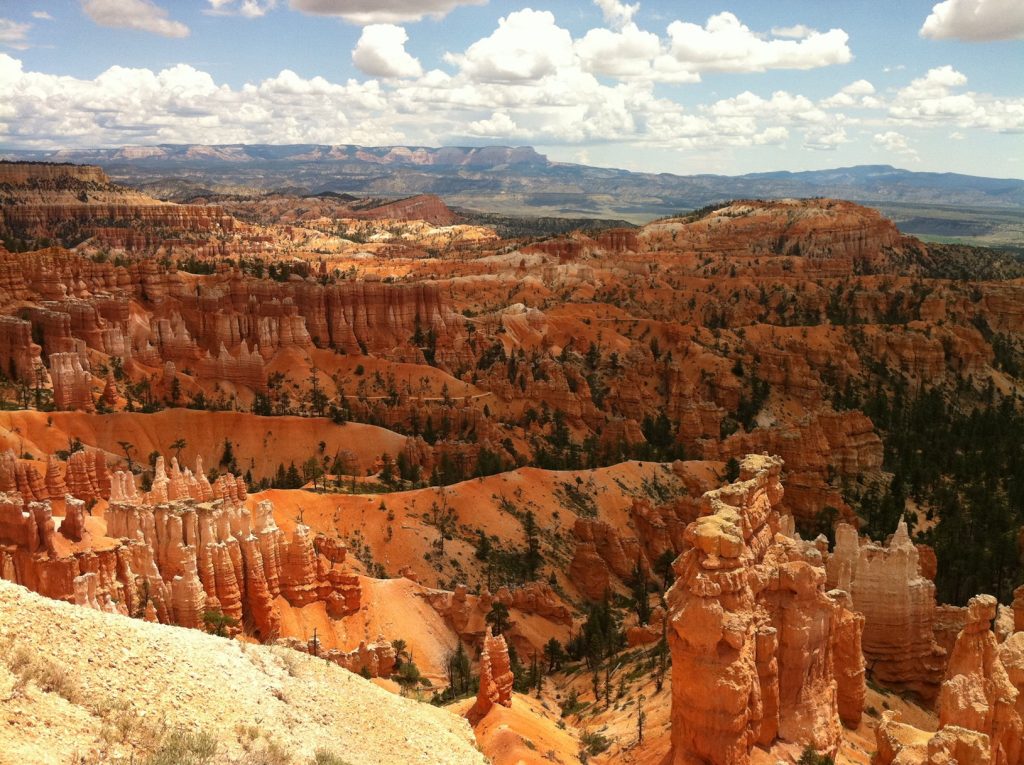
518 181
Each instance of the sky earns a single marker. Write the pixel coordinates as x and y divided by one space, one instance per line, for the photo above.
689 87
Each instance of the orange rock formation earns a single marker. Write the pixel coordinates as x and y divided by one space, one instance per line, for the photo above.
977 693
184 549
901 744
755 638
898 605
495 678
72 383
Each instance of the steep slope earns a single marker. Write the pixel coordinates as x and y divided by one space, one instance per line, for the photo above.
246 696
260 444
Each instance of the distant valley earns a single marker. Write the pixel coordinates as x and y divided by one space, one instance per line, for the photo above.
518 181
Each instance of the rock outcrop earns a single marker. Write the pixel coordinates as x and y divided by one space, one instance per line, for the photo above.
837 234
180 552
495 678
898 604
1018 609
72 382
56 488
373 659
601 552
22 477
73 525
87 476
43 197
756 642
426 207
19 355
901 744
23 173
1011 654
25 525
848 660
977 693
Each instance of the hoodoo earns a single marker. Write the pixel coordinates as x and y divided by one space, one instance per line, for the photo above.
977 693
898 604
495 678
755 637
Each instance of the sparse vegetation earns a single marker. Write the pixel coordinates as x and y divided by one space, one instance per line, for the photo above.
184 748
327 757
593 743
32 667
810 756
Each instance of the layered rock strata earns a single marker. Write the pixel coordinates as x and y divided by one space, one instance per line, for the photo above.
495 678
901 744
183 551
898 604
72 382
977 693
760 651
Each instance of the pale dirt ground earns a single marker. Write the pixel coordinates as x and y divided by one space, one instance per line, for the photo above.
193 681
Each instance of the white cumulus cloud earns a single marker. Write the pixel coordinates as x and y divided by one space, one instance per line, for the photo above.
781 107
381 11
848 96
626 53
616 13
859 88
725 44
381 52
825 139
182 104
527 45
134 14
939 98
894 142
975 20
499 125
797 31
528 80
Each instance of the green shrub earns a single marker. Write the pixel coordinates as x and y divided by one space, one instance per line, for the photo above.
327 757
811 757
184 748
594 743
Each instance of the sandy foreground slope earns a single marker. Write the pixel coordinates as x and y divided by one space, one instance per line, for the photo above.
131 674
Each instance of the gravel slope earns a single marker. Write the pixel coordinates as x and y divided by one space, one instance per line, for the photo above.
249 697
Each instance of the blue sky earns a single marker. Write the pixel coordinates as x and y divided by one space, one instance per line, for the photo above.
661 86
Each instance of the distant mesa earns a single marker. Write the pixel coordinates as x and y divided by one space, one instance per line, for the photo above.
456 156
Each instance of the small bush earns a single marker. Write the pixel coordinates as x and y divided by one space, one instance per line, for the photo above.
594 743
290 662
123 724
811 757
408 675
46 674
572 703
327 757
184 748
247 734
270 754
